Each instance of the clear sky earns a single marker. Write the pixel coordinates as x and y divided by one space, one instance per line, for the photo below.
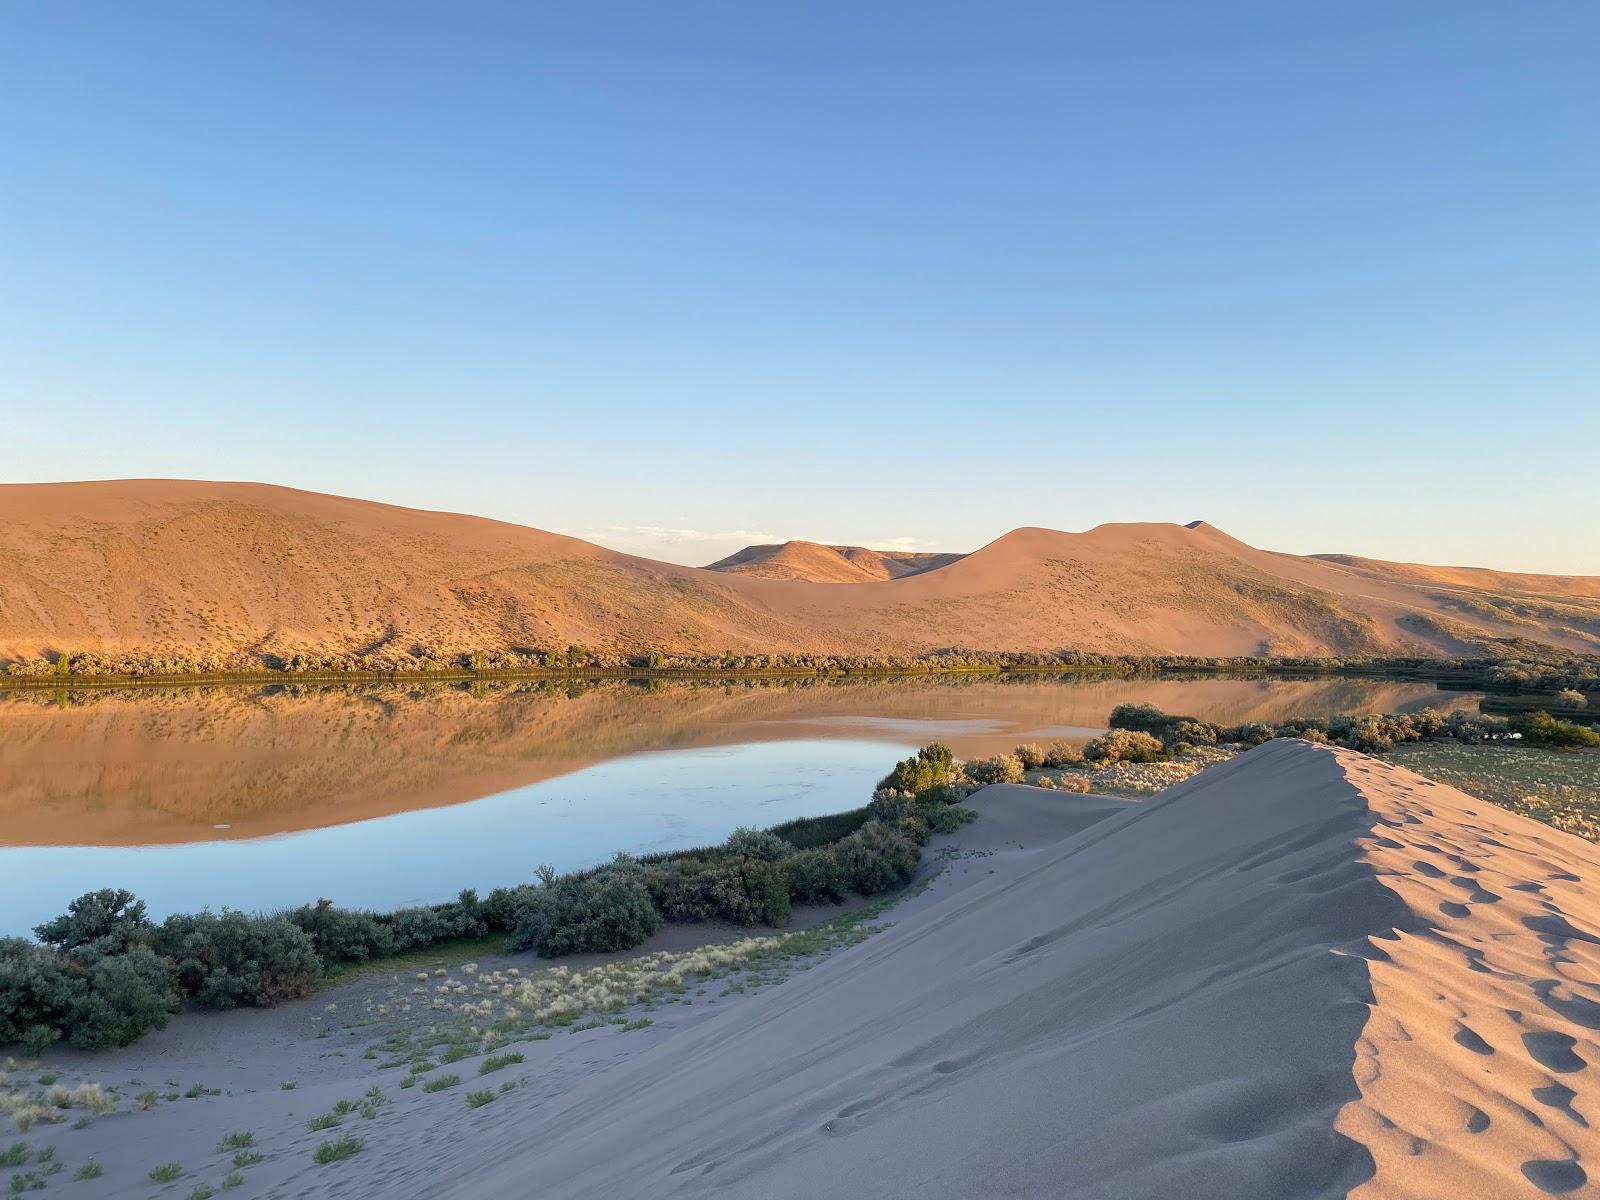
676 276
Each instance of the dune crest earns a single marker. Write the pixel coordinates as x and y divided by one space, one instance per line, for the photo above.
257 574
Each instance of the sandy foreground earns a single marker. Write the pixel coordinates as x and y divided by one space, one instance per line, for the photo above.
1304 973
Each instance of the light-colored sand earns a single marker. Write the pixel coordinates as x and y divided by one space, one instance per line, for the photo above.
1304 973
245 568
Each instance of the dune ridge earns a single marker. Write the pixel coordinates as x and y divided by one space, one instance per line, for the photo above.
1302 974
258 573
830 564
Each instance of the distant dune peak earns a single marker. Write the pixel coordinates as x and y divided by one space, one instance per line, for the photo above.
251 574
815 562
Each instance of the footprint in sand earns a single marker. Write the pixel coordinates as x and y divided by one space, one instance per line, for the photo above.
1560 1096
1554 1052
1555 1175
1468 1038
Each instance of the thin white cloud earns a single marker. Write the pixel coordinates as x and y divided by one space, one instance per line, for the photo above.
746 537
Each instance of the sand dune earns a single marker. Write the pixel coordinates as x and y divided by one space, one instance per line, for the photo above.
830 564
1305 973
247 570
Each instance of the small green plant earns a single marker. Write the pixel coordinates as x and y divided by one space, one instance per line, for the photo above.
242 1140
288 1086
27 1181
147 1098
495 1061
247 1158
323 1121
479 1099
165 1173
202 1192
232 1180
344 1107
48 1078
91 1170
347 1146
83 1123
641 1023
442 1082
15 1156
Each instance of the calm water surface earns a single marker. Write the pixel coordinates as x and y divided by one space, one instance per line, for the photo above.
388 795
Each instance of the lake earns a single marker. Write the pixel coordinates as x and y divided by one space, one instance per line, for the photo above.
385 795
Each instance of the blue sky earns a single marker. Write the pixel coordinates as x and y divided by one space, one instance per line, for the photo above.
673 276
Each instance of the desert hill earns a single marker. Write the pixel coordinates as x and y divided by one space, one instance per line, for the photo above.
256 572
830 564
1304 973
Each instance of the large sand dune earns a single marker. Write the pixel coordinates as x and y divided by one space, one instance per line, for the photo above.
256 571
1305 973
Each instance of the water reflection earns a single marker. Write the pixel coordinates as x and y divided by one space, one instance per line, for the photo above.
386 795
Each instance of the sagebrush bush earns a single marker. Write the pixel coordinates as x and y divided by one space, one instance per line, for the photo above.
875 858
103 922
1002 768
343 934
1125 745
1030 755
610 909
815 876
233 958
1062 754
761 844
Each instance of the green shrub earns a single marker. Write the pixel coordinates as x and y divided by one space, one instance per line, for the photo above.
125 996
234 958
503 907
479 1099
741 891
441 1082
1002 768
1062 754
341 1147
1030 756
875 858
815 876
761 844
1541 729
1125 745
341 935
610 909
104 922
95 1001
931 767
948 818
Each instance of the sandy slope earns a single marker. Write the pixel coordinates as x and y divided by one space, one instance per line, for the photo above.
249 569
1304 973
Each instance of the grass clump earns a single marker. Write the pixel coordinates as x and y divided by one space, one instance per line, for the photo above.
166 1172
248 1158
496 1061
441 1083
15 1155
232 1180
91 1170
479 1099
202 1191
242 1140
321 1121
347 1146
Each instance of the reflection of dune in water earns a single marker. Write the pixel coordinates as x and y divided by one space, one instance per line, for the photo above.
137 766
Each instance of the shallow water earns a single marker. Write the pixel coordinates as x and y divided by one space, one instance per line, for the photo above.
385 795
